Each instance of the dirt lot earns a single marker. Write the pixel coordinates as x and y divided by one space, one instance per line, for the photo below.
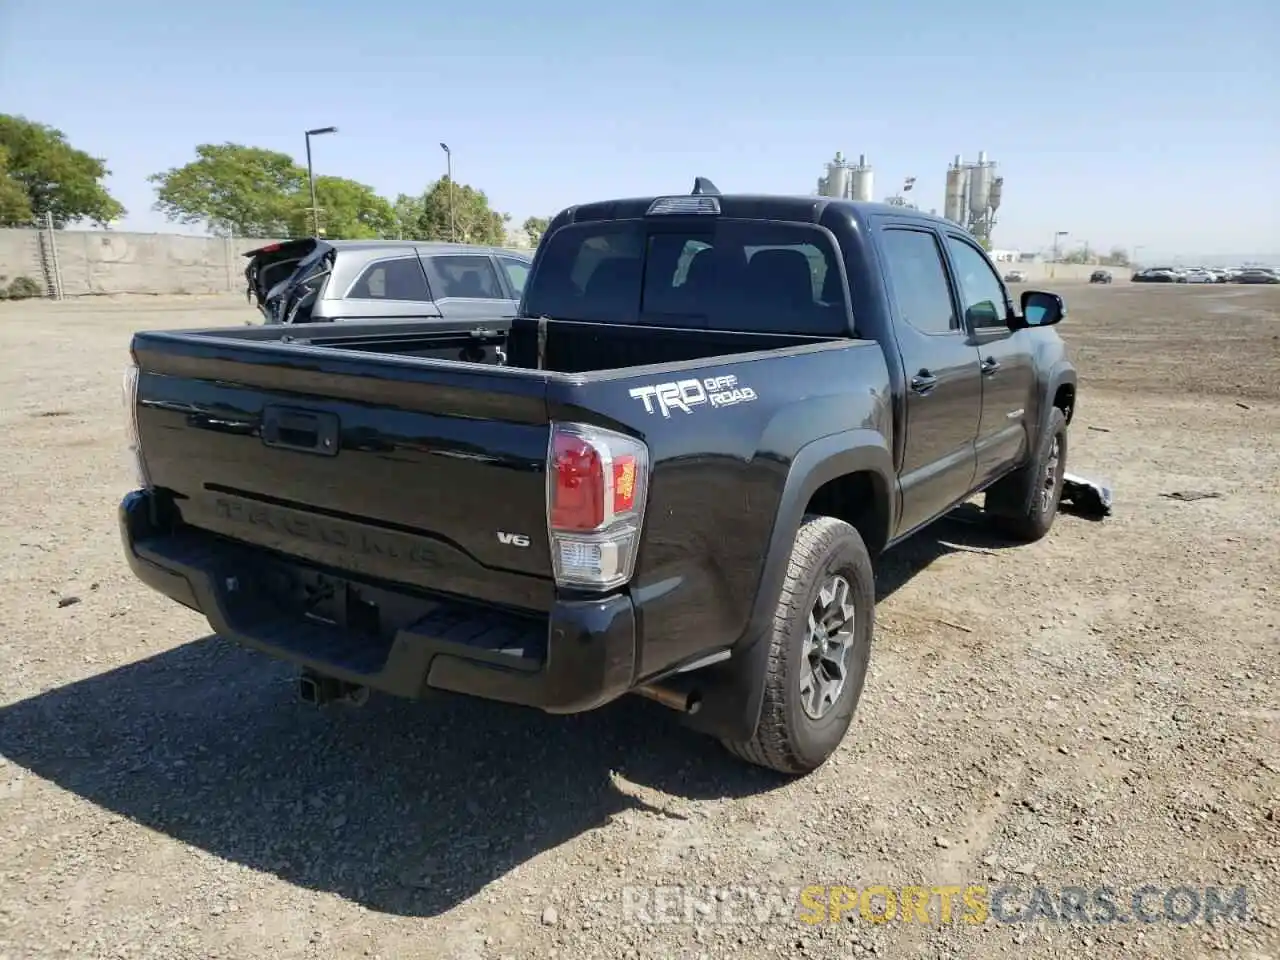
1099 709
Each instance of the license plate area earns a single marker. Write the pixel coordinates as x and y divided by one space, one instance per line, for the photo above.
372 618
339 603
365 612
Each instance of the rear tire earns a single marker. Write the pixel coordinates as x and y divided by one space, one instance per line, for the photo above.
819 650
1023 505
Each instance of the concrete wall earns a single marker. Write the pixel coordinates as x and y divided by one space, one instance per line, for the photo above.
108 262
20 256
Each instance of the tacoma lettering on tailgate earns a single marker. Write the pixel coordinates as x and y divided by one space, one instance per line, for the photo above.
353 540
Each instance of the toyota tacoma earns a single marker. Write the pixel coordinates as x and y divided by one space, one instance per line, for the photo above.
669 474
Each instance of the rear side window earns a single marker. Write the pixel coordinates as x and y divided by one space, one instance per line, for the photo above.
752 275
467 278
400 279
919 279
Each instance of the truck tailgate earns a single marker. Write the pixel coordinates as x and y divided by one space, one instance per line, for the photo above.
392 468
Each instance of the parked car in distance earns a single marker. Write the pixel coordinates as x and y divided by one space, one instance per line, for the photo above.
1156 275
1015 276
1100 276
315 280
1199 275
1258 275
710 414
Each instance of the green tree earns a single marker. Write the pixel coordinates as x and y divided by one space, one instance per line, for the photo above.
408 211
231 187
474 220
348 210
55 178
1116 258
534 228
14 205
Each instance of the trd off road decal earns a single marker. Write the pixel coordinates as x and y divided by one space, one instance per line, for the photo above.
684 395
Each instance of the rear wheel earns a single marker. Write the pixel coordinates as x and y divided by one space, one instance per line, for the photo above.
819 650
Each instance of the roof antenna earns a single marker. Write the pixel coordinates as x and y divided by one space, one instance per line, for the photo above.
704 187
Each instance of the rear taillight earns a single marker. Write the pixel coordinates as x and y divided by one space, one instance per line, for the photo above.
132 437
597 484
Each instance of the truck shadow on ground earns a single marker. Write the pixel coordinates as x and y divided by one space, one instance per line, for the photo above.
405 807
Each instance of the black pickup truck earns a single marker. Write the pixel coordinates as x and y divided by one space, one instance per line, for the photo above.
668 475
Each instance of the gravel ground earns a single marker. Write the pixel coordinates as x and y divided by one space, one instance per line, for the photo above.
1098 709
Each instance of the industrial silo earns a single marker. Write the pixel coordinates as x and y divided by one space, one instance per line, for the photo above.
997 188
954 202
838 177
980 177
861 180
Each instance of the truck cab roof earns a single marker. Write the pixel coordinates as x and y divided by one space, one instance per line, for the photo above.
748 206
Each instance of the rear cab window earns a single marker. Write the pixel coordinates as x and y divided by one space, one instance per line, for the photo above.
727 274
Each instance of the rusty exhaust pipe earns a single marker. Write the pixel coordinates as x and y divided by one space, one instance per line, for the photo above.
678 700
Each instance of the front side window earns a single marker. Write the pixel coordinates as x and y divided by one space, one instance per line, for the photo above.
919 278
467 277
981 292
400 279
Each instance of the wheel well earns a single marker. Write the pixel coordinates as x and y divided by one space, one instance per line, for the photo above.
860 500
1065 399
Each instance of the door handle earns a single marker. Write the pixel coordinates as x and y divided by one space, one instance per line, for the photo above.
990 366
301 430
923 382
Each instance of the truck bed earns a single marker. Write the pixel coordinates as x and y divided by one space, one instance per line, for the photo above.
570 346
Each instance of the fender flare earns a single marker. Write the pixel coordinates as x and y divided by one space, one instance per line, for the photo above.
1060 374
732 692
1012 495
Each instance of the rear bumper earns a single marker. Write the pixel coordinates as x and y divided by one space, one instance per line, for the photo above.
580 656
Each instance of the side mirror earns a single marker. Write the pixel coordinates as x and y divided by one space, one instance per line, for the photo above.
1039 309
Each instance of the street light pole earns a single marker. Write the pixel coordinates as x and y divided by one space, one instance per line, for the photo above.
1053 269
448 166
311 178
1056 236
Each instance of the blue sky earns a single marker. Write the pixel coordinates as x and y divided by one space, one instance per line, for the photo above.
1125 123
